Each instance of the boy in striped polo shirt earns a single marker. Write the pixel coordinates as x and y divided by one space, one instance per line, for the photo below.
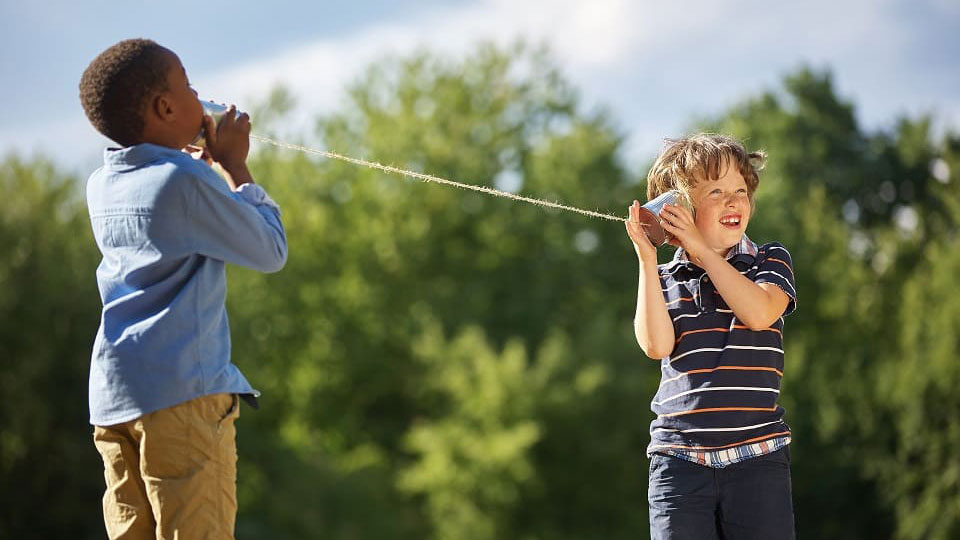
720 466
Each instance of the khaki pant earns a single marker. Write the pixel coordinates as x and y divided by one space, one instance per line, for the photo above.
172 474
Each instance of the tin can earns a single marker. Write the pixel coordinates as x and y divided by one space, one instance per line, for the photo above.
650 215
215 110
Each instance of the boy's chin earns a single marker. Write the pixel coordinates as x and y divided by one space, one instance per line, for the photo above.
724 245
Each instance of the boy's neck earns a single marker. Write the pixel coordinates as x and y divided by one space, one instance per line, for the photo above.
162 139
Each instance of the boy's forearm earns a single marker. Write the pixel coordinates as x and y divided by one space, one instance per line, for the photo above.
237 175
652 325
753 305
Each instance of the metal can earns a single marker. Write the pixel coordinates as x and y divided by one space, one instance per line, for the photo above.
650 215
215 110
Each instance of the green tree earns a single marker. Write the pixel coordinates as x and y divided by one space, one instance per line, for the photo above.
474 456
48 309
374 255
917 466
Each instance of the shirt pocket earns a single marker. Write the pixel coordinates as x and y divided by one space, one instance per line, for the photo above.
121 230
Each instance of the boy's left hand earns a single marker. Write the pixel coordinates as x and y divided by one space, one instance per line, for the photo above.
679 222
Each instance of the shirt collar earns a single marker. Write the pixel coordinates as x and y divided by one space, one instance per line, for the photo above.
744 247
132 157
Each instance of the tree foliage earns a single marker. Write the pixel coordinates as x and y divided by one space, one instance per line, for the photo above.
49 312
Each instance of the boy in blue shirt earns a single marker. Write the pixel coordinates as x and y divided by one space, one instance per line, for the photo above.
713 316
163 392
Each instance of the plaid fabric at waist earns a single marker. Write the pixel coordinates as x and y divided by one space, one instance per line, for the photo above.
719 459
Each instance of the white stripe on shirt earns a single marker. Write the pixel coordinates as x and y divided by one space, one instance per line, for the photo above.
714 388
696 351
774 273
713 349
672 286
702 313
700 430
752 348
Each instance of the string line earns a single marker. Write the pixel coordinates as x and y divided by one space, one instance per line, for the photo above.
435 179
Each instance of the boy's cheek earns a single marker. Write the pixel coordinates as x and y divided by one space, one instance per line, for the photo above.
703 225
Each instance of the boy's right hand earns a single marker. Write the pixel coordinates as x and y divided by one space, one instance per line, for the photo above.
228 141
646 251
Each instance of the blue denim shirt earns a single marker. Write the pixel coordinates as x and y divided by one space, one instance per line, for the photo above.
166 224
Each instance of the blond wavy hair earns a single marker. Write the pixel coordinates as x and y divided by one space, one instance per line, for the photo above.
684 162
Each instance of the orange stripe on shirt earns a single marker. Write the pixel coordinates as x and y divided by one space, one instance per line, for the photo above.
711 370
702 330
771 329
681 300
748 441
719 409
735 327
781 261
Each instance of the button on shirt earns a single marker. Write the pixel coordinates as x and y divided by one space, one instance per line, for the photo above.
166 224
717 402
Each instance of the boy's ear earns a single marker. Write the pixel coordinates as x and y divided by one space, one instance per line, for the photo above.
161 107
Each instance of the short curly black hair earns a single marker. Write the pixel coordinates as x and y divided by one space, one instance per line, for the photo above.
116 85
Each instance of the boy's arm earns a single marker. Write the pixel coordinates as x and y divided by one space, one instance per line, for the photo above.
232 219
241 227
758 305
651 324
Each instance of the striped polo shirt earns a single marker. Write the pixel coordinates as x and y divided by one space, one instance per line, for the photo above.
720 385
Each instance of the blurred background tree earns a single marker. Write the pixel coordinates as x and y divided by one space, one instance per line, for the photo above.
440 364
49 308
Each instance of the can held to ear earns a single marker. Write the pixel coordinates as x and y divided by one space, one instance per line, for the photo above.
650 215
215 110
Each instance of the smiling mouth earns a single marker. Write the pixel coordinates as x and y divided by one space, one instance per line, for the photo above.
730 221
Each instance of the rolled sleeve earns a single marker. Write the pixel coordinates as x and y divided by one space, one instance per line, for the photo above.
775 266
256 195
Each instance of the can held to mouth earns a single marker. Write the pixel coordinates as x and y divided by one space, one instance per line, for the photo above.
650 215
215 110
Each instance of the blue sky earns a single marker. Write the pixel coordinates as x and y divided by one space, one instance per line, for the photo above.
654 65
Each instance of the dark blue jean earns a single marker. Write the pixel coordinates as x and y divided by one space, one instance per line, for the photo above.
747 500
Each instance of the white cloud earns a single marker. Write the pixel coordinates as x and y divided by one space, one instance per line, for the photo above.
583 33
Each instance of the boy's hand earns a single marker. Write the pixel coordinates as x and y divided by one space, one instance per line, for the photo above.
679 222
197 152
646 251
229 141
